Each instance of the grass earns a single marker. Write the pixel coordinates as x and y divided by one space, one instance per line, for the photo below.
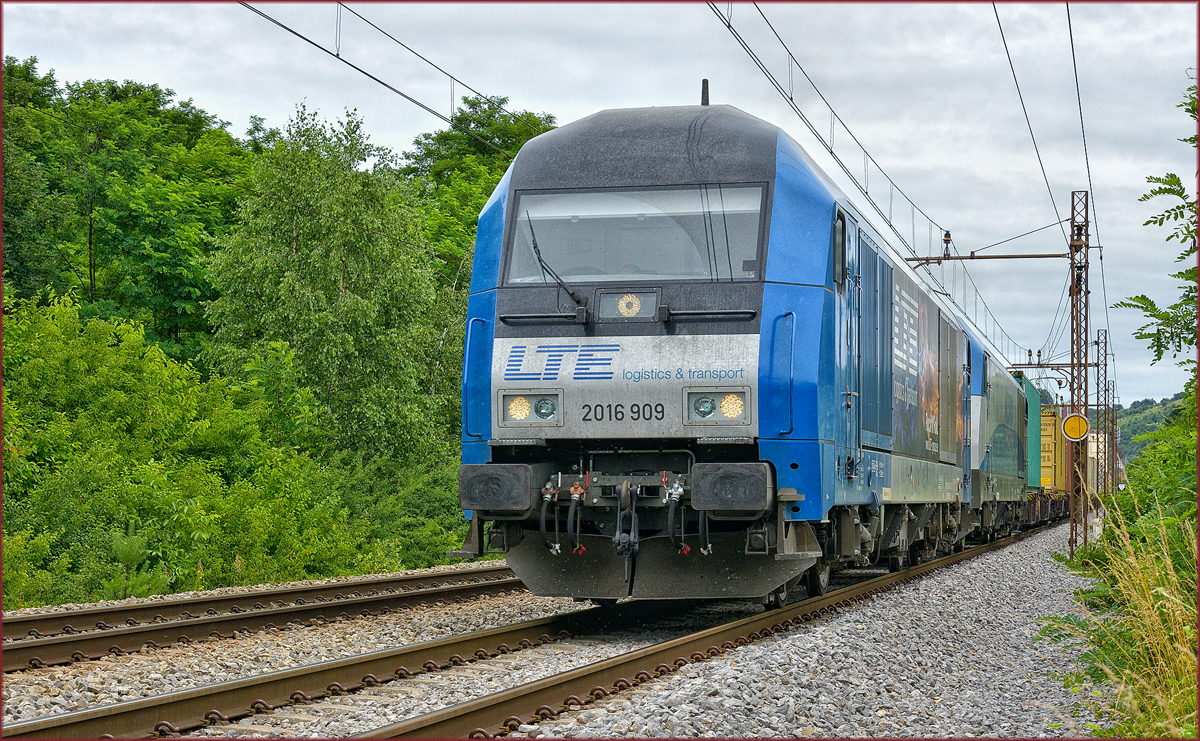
1139 633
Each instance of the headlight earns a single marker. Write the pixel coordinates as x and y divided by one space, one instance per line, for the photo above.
732 406
524 408
545 408
717 406
518 407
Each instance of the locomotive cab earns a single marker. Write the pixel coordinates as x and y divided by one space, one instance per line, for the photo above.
614 361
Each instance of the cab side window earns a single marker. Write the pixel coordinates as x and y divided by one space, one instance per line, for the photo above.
839 250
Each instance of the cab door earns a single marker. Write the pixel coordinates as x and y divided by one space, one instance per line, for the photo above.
851 290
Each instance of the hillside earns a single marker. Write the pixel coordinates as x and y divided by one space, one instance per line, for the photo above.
1141 417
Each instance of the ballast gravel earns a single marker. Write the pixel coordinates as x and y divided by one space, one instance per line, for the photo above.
951 654
223 591
60 689
401 699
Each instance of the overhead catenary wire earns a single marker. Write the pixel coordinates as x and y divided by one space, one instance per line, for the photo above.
788 96
390 87
1091 190
792 60
1010 239
1054 333
779 88
867 156
1025 110
453 79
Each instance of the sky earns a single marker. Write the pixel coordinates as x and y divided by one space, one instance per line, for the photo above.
925 88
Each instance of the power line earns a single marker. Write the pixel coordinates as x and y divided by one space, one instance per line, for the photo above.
1091 190
1062 305
1026 234
418 55
792 57
790 101
1027 123
402 94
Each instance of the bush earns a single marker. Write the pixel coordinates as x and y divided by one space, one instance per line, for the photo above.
105 434
1140 636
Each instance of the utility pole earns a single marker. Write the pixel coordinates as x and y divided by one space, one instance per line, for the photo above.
1080 499
1103 482
1114 447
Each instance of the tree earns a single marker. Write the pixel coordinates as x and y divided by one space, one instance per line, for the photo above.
455 173
329 260
104 434
115 190
481 131
1172 328
35 216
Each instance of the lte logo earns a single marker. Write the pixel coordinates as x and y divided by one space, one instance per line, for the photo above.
592 362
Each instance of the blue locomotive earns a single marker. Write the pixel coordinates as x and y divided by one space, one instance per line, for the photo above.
693 369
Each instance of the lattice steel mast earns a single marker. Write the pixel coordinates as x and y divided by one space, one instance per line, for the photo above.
1080 499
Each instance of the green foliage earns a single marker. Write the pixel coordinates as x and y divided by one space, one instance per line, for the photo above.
456 174
229 362
104 433
135 578
1139 637
95 203
328 260
1142 417
437 155
1173 328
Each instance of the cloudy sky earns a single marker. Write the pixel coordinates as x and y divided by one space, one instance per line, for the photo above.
926 88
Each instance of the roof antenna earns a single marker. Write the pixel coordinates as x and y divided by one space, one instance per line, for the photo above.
704 92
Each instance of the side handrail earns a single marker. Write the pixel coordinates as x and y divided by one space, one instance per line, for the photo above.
790 373
467 374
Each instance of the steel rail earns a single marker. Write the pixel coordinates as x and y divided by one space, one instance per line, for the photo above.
68 647
499 713
494 714
198 706
73 621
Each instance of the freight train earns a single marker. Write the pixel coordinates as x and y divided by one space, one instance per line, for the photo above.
693 369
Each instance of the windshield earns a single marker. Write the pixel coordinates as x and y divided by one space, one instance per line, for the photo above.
706 232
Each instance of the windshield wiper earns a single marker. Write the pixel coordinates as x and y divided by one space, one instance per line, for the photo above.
581 307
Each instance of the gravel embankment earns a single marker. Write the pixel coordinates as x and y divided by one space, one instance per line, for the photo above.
951 654
407 698
59 689
221 591
948 655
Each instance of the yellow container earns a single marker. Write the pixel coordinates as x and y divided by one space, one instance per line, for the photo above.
1054 453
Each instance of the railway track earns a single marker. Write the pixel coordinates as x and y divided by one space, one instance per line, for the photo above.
494 714
62 637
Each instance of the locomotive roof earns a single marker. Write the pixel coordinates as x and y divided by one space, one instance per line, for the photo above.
680 145
650 146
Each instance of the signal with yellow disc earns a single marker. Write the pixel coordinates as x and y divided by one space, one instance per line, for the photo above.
1075 427
732 406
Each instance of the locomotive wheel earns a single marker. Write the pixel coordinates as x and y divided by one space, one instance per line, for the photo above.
777 599
895 563
816 579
